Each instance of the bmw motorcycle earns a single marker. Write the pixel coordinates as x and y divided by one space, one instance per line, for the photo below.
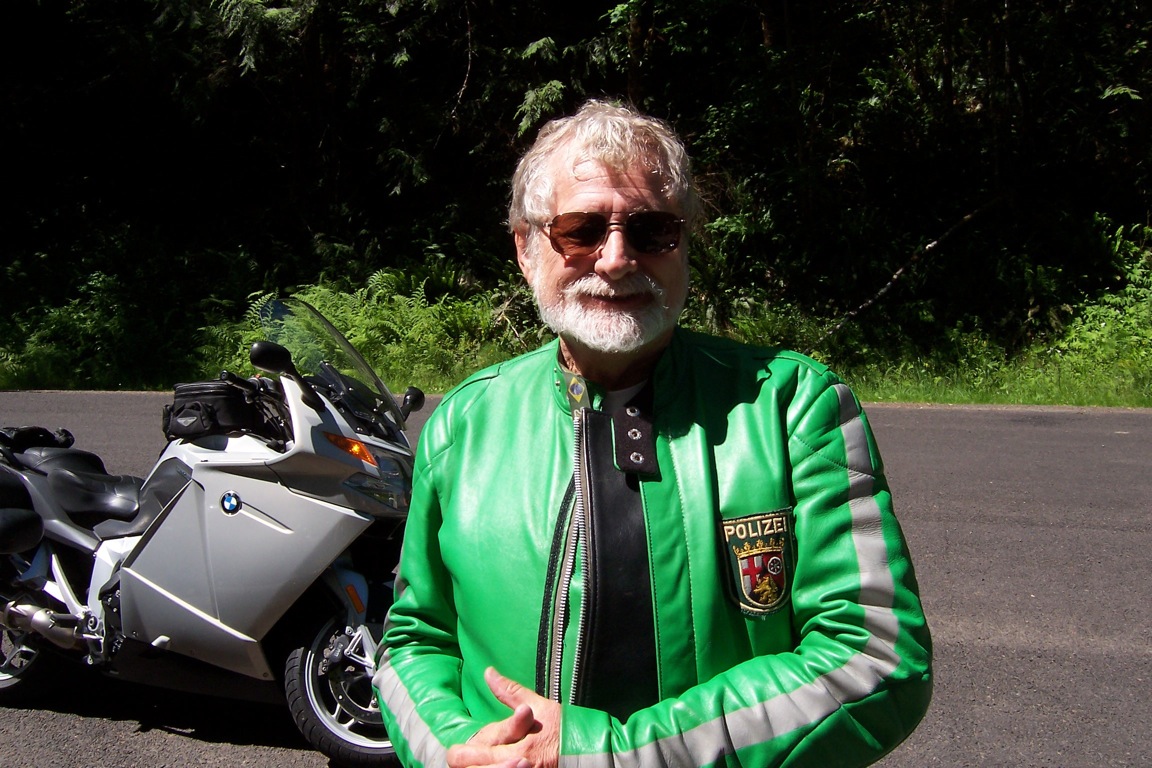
256 560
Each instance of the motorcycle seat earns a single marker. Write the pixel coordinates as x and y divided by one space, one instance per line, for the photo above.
45 459
108 496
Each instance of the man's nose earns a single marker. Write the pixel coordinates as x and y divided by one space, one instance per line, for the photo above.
615 259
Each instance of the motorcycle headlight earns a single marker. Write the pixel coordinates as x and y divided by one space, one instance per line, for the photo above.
393 486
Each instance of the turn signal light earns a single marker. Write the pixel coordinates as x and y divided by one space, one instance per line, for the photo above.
352 447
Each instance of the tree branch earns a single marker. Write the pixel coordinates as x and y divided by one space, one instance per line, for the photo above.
920 252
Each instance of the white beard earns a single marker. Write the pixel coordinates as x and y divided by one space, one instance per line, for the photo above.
606 330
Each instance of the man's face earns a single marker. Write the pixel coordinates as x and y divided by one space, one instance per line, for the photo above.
616 299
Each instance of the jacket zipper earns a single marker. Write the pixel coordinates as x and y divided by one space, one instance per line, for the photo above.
571 548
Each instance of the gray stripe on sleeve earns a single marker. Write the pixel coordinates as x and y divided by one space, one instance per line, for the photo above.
422 742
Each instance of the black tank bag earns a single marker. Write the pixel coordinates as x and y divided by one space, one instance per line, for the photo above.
204 408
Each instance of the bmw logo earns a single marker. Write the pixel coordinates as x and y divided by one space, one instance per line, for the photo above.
230 502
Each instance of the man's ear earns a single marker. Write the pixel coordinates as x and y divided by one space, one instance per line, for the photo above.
520 234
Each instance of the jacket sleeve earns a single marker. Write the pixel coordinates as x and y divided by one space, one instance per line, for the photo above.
417 679
858 680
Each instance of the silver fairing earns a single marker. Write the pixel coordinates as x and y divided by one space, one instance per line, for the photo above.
236 547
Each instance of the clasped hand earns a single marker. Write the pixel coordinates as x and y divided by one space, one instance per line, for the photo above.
528 738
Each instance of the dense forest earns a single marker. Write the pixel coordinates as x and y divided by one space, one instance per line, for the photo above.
883 181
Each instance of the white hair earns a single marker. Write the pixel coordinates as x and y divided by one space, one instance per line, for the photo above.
615 136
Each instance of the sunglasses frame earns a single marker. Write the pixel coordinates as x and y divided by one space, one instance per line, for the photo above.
627 226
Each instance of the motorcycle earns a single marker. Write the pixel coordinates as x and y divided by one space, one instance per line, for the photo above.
256 560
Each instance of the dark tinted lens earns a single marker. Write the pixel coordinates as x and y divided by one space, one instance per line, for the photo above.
653 231
580 233
577 234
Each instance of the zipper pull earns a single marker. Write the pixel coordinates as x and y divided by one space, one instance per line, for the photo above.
577 389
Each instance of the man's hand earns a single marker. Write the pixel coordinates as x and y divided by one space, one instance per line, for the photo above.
528 738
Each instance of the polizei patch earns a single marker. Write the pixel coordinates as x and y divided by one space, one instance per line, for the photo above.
760 554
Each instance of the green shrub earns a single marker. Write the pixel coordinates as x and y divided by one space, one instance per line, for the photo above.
407 338
1105 352
1102 356
78 344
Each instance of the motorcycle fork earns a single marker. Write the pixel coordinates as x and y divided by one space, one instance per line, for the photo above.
357 645
350 587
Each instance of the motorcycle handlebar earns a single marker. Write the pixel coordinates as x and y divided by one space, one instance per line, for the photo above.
248 386
268 398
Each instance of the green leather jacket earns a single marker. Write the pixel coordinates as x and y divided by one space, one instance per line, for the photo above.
785 616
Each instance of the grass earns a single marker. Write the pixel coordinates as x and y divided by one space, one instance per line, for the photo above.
1025 382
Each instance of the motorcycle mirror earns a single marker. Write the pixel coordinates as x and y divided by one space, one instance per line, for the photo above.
271 357
413 401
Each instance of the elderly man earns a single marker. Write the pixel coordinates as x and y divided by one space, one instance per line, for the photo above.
639 545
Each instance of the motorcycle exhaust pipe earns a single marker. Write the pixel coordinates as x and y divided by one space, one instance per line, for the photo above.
49 624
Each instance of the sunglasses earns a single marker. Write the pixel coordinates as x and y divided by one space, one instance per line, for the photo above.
578 234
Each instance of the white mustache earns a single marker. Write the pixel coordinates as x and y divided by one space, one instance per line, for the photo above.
632 285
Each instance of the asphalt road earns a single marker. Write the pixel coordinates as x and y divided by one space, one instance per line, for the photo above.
1030 530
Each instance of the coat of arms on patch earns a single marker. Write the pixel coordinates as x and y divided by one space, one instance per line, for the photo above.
760 553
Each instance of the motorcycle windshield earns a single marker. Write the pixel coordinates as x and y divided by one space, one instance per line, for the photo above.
323 356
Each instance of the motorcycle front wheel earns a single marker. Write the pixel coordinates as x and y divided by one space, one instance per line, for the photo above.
328 685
